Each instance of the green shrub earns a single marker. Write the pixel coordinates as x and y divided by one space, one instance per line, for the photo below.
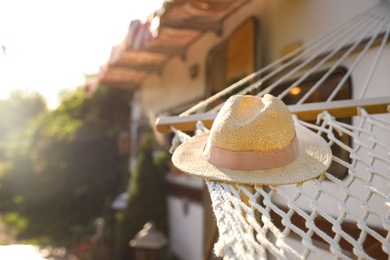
65 169
146 198
17 223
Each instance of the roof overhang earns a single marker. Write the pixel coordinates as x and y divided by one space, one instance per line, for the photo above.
166 33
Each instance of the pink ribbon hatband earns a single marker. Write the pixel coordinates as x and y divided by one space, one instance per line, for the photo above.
252 160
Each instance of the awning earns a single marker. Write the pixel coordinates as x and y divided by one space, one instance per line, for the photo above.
166 33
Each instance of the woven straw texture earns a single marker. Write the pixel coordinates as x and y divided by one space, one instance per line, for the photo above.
255 131
345 213
267 121
324 218
329 217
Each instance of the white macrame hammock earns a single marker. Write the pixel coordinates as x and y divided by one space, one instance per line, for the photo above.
333 217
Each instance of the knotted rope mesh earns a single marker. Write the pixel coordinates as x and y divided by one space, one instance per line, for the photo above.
343 214
349 216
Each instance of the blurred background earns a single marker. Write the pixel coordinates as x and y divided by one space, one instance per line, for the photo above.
84 173
60 165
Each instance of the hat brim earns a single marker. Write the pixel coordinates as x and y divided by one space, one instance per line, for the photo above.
314 158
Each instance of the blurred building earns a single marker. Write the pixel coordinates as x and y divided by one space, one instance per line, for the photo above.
189 50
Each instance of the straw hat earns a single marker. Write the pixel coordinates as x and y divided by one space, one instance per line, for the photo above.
254 141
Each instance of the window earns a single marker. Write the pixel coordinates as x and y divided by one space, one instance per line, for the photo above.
320 95
232 59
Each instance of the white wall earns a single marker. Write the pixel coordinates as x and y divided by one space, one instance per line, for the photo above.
286 22
281 23
303 20
378 86
185 231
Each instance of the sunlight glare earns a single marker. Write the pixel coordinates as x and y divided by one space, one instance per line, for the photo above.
51 45
20 252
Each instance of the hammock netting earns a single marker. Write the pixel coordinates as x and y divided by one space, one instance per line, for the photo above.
346 212
348 216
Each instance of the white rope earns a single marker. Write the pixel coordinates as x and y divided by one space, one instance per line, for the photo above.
312 48
244 236
180 137
341 41
358 59
375 63
314 219
200 128
337 63
310 51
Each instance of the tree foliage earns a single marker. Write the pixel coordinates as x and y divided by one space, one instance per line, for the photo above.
146 197
17 111
69 169
15 115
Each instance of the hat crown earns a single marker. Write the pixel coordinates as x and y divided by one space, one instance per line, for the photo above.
250 123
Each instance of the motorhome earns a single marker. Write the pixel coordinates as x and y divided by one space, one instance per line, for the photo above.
188 51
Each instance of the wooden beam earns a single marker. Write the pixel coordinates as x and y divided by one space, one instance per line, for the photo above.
186 124
193 24
310 111
149 68
341 108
